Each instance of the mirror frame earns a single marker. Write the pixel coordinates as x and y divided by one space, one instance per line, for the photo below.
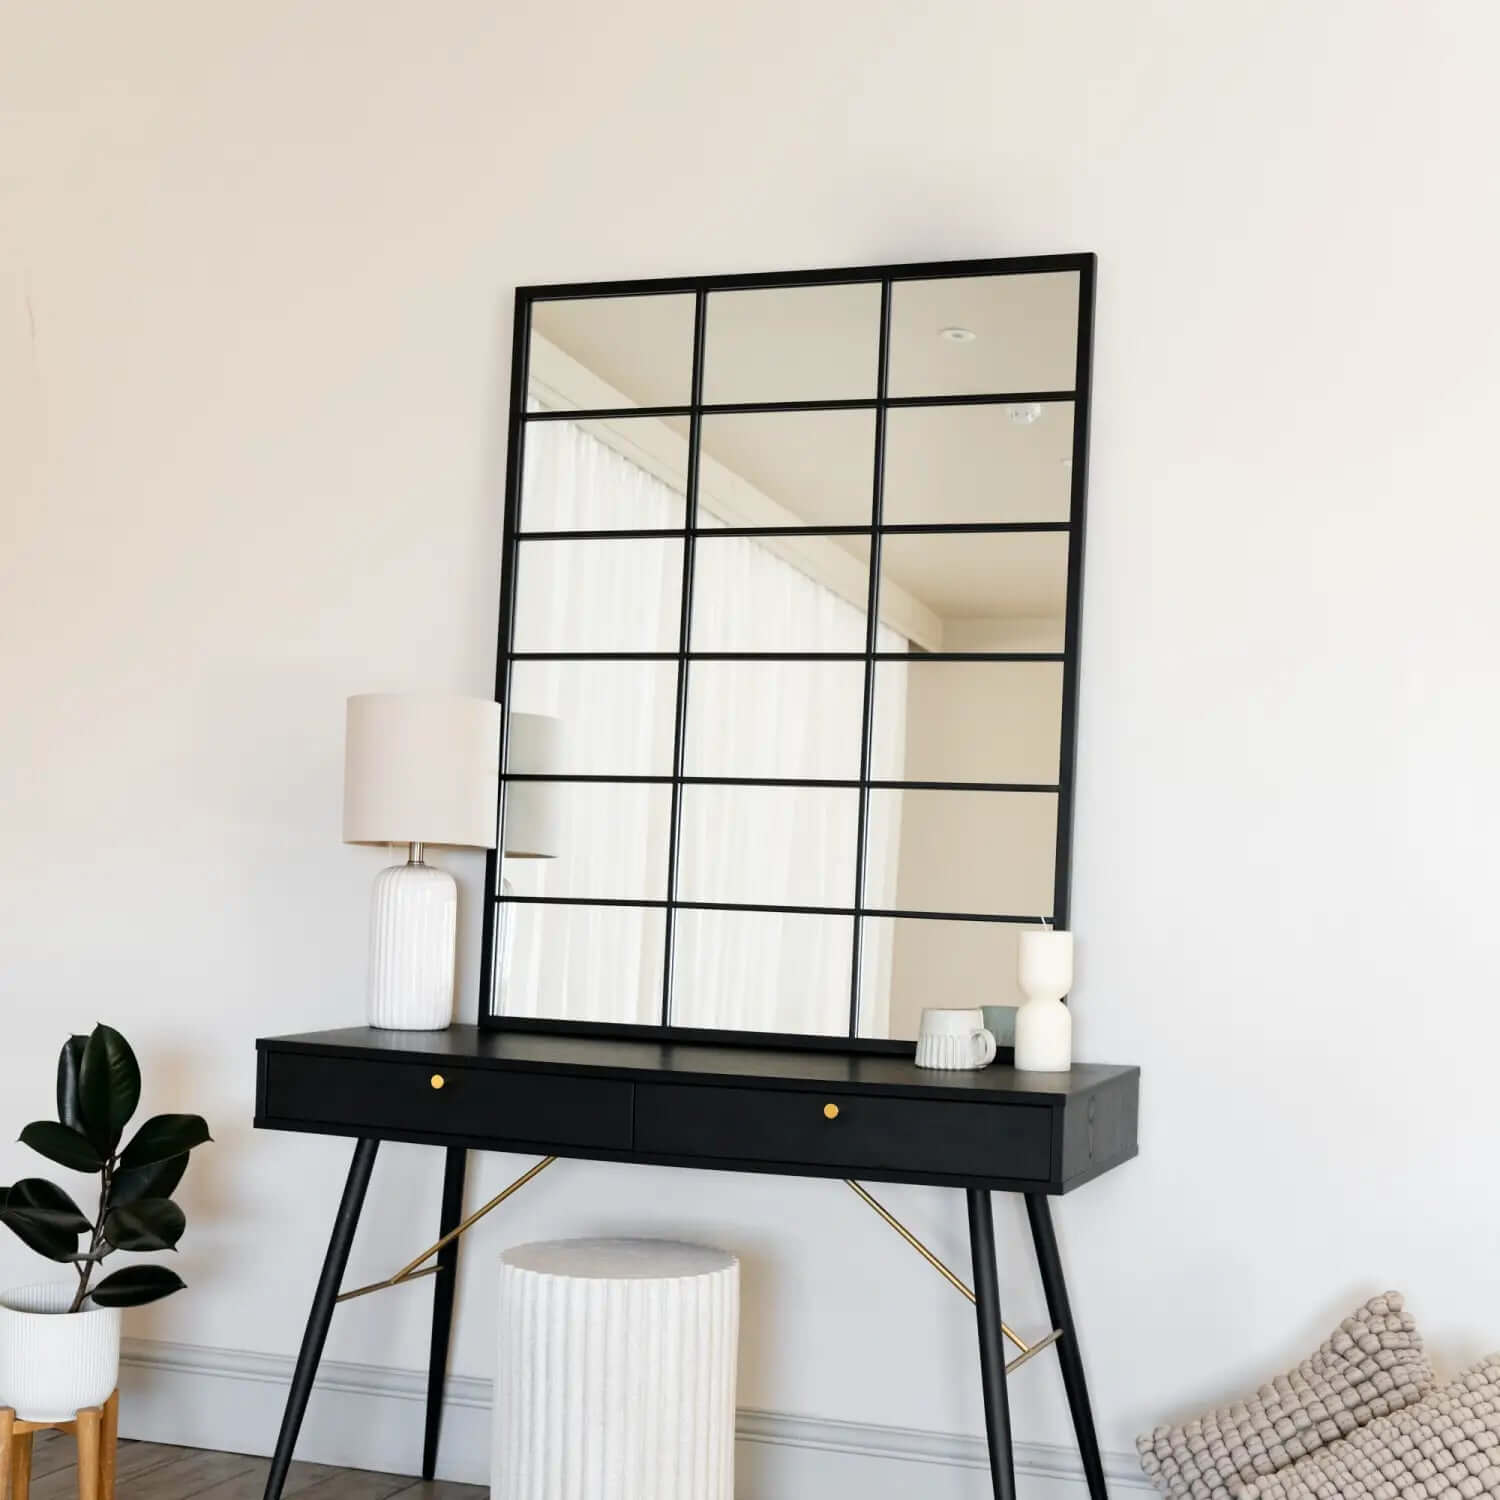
701 287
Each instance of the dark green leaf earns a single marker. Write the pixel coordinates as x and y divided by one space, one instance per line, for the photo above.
38 1231
109 1087
135 1286
157 1180
150 1224
37 1193
69 1061
163 1136
62 1144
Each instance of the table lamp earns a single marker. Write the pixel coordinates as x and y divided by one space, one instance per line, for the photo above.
419 769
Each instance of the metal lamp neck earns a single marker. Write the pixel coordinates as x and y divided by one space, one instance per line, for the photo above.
414 854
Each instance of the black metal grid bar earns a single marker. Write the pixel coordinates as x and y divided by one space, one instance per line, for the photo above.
872 641
603 413
802 1041
886 276
928 270
661 903
831 783
684 639
901 528
1072 632
842 403
907 656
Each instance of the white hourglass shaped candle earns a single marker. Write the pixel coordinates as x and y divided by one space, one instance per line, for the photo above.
1044 1026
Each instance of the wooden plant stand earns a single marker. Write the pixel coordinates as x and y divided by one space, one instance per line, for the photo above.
97 1429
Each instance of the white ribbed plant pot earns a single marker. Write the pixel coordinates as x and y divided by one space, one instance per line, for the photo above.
413 928
53 1363
616 1373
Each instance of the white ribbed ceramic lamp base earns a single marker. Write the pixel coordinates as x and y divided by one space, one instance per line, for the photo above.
53 1363
413 927
616 1372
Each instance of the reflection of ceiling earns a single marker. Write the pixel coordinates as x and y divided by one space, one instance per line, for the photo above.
971 577
943 464
820 343
643 346
796 343
1026 331
820 465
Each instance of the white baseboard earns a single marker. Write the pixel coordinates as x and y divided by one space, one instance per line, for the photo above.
367 1417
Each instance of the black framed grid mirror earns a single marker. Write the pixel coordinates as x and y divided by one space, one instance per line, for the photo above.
789 648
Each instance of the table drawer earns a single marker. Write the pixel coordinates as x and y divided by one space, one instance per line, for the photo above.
794 1127
402 1096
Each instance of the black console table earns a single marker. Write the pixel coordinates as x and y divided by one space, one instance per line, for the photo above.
799 1113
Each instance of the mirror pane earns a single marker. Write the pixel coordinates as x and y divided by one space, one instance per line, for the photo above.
598 595
775 719
984 335
908 963
960 851
978 465
608 474
770 846
762 971
787 468
610 839
618 717
958 591
781 593
997 721
610 353
792 343
580 963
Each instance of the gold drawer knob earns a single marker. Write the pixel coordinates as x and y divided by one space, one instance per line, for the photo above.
830 1111
438 1080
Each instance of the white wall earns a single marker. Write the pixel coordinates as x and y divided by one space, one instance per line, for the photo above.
257 262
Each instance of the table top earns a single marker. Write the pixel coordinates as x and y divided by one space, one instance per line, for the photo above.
647 1060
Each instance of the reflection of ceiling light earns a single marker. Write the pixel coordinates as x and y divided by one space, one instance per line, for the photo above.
958 335
1025 414
1067 463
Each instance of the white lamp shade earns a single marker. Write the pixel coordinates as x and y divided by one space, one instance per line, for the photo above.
533 815
421 768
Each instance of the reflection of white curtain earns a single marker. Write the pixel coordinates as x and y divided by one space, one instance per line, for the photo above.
574 595
790 845
573 482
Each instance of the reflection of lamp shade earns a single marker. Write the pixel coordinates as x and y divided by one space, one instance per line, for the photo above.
421 769
533 817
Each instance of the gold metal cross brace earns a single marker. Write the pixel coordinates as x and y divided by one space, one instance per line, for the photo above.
1028 1351
411 1271
417 1268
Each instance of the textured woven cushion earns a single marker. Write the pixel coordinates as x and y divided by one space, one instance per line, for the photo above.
1446 1446
1371 1366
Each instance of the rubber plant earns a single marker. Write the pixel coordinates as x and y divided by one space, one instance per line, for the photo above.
98 1089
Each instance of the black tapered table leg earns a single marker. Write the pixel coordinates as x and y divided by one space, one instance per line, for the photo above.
991 1344
443 1286
1056 1289
316 1332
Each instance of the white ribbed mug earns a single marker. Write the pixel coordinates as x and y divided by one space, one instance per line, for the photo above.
53 1363
954 1039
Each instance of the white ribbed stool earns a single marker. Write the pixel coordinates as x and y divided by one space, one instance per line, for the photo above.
616 1372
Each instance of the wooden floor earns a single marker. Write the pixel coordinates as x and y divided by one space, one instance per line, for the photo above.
153 1471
